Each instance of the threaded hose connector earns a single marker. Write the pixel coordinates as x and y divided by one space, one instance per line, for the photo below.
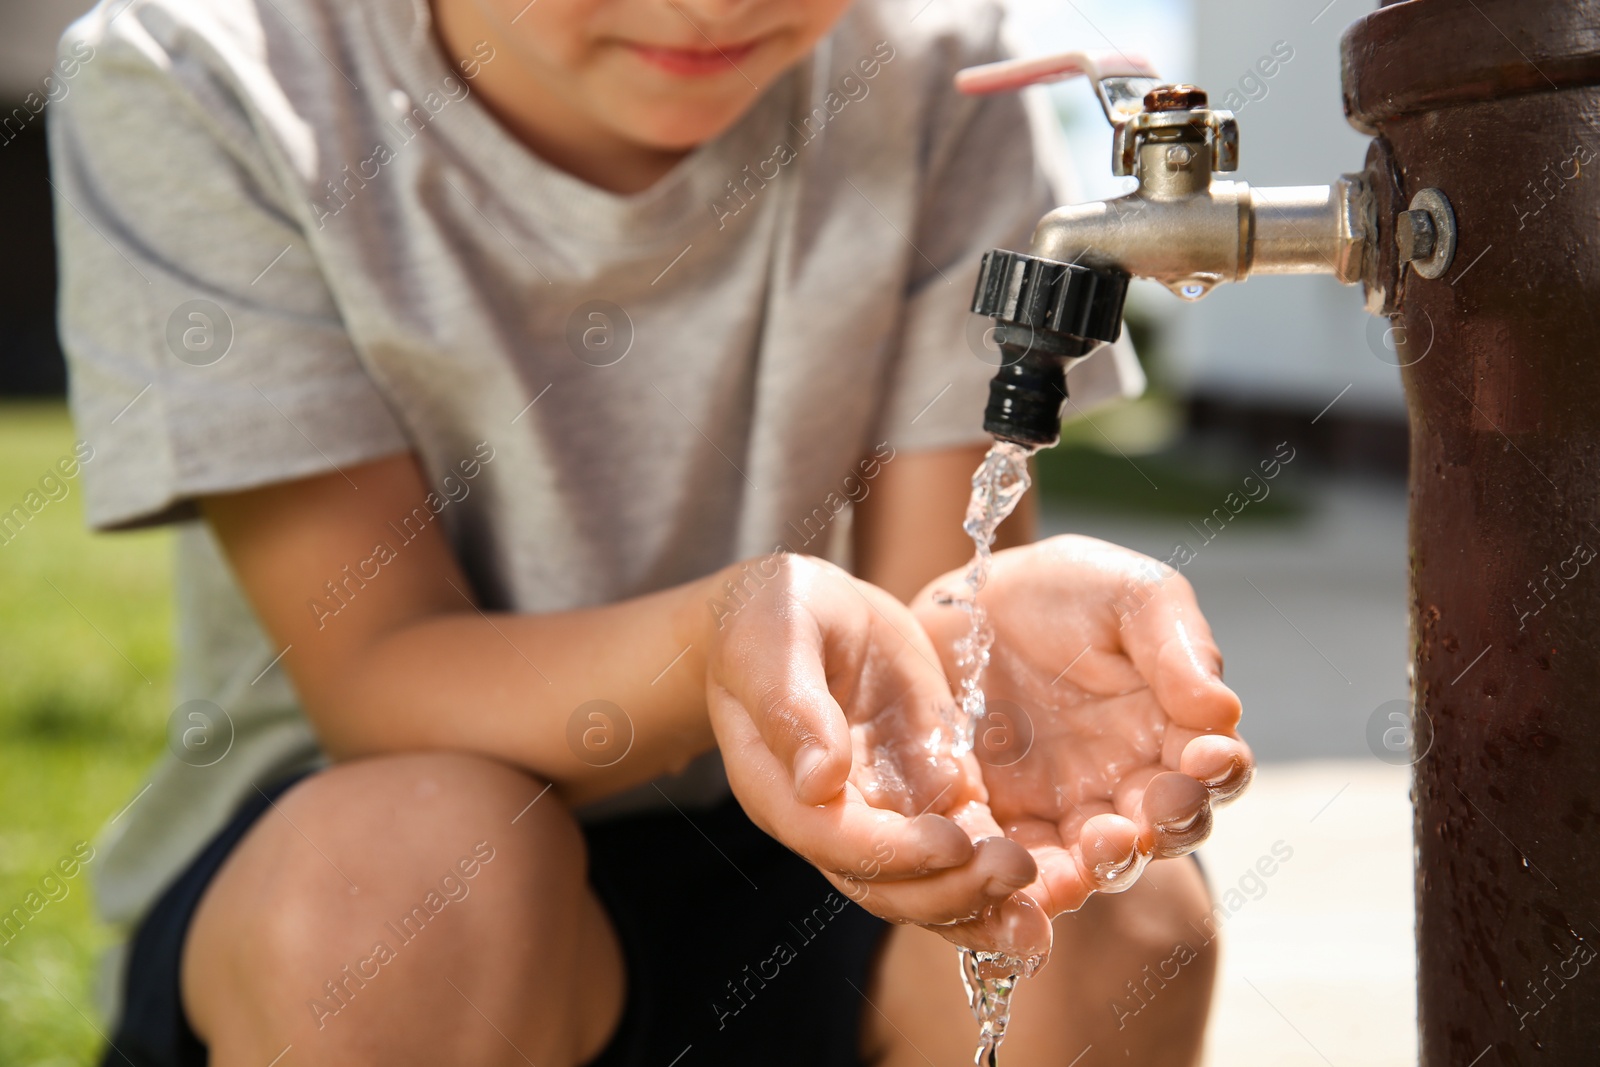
1049 315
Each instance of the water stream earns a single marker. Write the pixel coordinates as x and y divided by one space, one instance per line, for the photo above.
1001 480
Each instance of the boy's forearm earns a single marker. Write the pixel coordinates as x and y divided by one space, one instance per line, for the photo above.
408 662
594 701
908 529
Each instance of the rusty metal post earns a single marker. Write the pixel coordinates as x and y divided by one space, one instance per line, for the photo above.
1497 104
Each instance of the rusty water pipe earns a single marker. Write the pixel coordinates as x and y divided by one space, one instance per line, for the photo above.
1497 104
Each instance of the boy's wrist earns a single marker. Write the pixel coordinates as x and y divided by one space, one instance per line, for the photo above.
702 617
696 626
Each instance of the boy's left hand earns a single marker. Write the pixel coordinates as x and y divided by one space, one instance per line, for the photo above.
1110 733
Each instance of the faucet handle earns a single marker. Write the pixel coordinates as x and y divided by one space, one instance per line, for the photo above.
1120 80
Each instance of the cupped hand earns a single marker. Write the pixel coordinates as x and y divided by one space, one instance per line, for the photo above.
831 710
1110 734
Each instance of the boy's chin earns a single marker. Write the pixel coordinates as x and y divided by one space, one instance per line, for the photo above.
675 129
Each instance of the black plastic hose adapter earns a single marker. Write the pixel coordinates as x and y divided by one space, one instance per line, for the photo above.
1047 315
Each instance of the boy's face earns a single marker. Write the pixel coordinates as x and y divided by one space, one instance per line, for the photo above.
667 74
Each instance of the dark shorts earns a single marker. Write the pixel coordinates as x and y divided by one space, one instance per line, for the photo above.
737 951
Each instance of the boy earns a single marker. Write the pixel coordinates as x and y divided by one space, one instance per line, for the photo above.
520 358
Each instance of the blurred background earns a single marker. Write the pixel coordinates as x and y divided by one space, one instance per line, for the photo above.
1305 586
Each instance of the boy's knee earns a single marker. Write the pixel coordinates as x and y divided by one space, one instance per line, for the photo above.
369 880
446 824
415 792
378 852
1166 915
1154 959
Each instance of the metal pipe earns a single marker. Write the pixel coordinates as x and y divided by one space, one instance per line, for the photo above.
1308 229
1493 103
1192 239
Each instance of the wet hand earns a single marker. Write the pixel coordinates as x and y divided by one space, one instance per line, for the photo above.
830 708
1110 734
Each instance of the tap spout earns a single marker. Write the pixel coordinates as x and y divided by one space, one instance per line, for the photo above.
1191 237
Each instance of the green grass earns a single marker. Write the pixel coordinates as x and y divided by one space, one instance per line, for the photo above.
1132 458
1170 483
85 663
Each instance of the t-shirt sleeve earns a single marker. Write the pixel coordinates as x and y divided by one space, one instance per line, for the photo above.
1000 167
205 350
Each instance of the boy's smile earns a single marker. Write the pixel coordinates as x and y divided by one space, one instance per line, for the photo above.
695 62
615 92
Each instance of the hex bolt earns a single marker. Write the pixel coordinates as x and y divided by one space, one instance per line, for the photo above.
1426 234
1414 235
1179 97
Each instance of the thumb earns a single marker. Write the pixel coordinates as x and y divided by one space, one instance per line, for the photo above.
1172 647
778 677
1188 680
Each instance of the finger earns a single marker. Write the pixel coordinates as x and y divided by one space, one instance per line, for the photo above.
899 849
977 820
1171 645
776 673
1184 813
1188 682
1017 927
1064 883
1224 765
1112 856
1174 814
1129 793
845 834
998 869
1174 741
853 839
943 622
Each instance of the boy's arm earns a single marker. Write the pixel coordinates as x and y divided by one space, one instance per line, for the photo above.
907 529
410 662
811 666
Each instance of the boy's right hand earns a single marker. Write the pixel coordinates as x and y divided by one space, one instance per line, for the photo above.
829 704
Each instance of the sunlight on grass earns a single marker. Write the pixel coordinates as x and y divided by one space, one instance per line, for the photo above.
85 660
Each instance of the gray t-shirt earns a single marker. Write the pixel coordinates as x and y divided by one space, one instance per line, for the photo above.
292 240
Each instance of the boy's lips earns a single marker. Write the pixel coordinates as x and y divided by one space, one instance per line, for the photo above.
694 62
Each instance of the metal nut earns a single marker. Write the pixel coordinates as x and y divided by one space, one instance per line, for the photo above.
1414 235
